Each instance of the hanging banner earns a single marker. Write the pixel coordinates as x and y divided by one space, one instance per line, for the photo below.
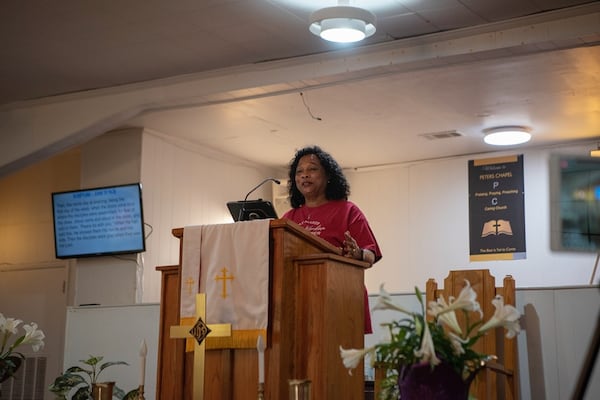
497 209
230 264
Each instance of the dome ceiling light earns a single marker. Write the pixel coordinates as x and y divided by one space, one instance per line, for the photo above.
506 135
342 24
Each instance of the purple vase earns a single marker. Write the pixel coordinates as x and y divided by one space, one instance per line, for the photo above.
420 382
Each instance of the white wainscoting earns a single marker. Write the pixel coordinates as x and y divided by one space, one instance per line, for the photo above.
558 325
116 333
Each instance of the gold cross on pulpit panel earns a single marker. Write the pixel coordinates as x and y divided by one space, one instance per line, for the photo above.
189 282
224 278
183 332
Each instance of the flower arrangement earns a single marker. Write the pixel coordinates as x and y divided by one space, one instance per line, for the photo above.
10 358
438 343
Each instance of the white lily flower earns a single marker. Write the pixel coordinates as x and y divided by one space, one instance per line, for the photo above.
352 357
427 350
8 327
412 340
33 336
385 302
457 343
434 308
449 319
466 300
444 314
9 324
506 316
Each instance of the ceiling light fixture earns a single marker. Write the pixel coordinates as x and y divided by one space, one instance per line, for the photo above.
506 135
342 24
595 152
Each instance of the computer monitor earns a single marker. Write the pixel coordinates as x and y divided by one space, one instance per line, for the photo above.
251 209
575 203
98 221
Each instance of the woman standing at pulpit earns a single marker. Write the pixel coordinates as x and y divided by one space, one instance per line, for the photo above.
319 197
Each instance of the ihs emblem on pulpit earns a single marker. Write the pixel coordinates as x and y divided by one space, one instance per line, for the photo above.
200 331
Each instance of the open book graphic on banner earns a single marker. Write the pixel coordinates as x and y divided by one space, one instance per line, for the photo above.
496 227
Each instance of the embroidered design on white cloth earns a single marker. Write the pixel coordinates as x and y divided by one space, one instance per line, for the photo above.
234 273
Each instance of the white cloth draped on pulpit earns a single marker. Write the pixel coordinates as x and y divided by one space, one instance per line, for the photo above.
231 262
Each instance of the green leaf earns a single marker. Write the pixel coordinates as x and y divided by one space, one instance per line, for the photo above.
66 382
419 295
118 392
83 393
132 395
17 342
93 360
76 369
108 364
75 376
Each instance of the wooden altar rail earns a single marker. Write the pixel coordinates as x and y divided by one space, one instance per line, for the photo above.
316 305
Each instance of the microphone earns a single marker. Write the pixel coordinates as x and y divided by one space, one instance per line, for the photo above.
260 184
277 181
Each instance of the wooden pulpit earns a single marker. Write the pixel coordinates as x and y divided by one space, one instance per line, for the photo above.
316 305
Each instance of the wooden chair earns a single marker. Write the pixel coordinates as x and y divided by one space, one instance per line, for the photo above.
499 379
487 385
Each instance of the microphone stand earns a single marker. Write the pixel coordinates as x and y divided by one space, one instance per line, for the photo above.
243 209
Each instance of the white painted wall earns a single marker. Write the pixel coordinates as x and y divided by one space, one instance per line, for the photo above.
420 215
186 185
36 293
110 159
116 333
182 184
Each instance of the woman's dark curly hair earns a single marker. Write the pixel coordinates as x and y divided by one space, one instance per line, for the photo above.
337 186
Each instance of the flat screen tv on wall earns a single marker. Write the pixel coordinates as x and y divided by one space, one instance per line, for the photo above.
98 221
575 203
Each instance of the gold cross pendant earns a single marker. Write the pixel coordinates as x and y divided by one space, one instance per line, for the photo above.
185 331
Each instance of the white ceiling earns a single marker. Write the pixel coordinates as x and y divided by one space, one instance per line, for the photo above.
551 86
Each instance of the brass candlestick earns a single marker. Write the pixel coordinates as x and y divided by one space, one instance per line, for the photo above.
140 395
261 391
299 389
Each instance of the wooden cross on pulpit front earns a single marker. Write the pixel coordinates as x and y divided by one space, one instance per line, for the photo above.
199 333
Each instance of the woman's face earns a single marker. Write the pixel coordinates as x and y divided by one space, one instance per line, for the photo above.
311 179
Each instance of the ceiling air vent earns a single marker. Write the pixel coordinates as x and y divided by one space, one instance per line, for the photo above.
441 135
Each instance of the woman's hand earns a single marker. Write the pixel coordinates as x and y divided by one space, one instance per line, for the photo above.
351 249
